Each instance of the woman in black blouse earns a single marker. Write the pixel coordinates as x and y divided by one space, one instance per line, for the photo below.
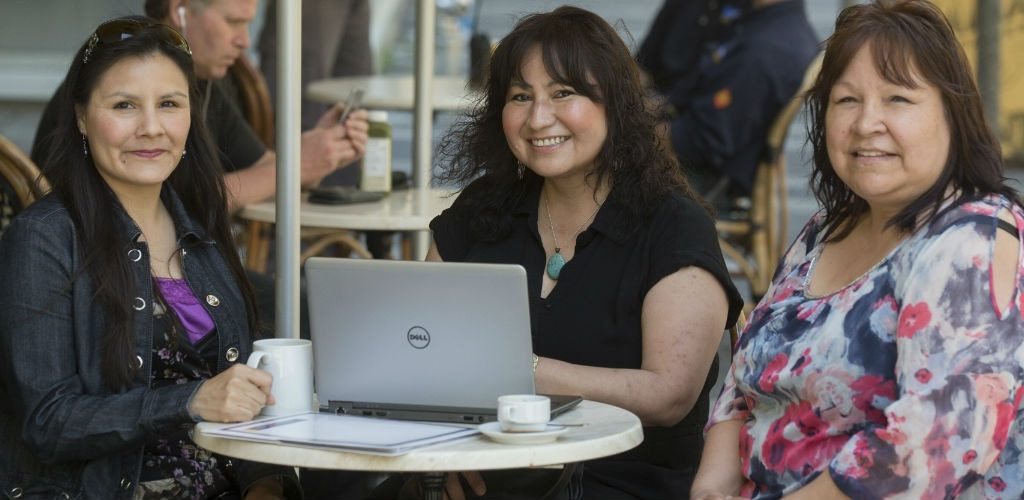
565 176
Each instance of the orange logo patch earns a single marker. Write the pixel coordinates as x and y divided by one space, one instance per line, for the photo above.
722 99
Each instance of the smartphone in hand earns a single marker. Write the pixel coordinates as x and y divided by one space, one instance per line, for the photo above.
352 102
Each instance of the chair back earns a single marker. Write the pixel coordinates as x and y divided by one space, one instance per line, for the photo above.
20 182
254 99
759 242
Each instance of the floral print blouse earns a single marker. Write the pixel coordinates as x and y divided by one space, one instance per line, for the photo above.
905 383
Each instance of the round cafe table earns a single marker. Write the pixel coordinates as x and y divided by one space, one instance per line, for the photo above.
604 430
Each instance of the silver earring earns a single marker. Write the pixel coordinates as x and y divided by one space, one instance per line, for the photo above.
183 151
521 170
85 146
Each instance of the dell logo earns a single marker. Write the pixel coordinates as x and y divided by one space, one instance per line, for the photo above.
418 337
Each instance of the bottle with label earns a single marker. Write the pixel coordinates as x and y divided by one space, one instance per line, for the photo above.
377 161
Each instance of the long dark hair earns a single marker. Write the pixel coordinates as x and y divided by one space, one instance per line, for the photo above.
583 51
906 36
93 206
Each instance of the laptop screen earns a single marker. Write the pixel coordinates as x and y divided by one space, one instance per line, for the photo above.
419 333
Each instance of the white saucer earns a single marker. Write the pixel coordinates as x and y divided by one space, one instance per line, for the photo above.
493 431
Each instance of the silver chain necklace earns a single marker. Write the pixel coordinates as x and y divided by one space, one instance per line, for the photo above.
557 261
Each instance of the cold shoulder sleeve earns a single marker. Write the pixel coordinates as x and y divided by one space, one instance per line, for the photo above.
958 369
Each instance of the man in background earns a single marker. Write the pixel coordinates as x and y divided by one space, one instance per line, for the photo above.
723 101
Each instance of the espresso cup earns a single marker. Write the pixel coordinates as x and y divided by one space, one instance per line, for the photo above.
523 412
290 361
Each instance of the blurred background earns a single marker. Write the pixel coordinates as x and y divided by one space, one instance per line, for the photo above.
37 38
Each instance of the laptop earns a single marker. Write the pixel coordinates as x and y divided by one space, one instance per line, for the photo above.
436 341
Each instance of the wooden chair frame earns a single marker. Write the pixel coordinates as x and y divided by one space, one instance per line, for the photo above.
756 244
21 173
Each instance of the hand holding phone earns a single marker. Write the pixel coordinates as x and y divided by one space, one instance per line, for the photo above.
352 102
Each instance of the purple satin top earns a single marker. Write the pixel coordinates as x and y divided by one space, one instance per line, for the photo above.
193 317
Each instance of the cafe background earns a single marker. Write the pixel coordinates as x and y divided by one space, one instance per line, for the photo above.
965 19
37 38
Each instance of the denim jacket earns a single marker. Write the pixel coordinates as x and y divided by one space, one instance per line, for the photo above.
63 434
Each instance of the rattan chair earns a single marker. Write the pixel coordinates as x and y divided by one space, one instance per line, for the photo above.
20 181
756 242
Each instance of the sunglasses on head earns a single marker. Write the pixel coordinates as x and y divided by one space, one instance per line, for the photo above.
122 29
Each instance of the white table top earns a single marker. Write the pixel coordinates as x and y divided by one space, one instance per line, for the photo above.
402 210
608 430
393 91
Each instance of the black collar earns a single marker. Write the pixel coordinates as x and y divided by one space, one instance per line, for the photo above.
611 220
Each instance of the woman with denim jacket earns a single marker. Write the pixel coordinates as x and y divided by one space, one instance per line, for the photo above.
123 304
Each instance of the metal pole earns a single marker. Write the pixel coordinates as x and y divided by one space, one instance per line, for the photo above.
423 112
288 130
989 12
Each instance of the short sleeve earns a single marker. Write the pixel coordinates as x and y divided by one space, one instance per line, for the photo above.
683 235
958 370
451 234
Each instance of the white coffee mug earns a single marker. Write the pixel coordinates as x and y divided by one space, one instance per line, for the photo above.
290 361
524 412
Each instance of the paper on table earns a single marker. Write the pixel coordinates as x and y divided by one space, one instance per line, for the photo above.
359 434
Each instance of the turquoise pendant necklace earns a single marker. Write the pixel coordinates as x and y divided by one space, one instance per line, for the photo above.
557 261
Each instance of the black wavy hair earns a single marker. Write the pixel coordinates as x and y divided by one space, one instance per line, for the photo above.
581 50
92 205
906 37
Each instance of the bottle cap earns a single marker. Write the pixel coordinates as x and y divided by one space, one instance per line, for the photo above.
377 116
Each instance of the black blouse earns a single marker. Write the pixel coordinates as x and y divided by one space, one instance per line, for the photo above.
592 316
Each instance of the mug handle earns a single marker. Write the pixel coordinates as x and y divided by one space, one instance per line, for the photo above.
506 413
256 356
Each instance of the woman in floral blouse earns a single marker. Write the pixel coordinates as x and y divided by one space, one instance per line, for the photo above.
887 358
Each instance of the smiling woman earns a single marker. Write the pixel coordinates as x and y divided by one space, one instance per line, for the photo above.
565 175
136 122
884 360
106 351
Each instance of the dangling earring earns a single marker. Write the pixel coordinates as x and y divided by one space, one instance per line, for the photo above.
183 151
521 170
85 146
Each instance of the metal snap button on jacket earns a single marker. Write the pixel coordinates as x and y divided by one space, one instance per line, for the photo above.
125 483
231 354
16 492
140 303
212 300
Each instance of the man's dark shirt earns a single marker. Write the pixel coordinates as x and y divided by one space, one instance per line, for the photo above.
723 117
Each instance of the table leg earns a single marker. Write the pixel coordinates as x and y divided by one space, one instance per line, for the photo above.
433 485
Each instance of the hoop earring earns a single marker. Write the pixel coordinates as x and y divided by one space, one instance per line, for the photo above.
85 146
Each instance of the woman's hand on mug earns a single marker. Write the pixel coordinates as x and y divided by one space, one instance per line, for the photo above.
234 395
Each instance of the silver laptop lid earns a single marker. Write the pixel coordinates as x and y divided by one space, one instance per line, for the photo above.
419 333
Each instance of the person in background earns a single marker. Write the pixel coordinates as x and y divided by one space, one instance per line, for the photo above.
682 31
124 307
720 110
565 175
885 359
